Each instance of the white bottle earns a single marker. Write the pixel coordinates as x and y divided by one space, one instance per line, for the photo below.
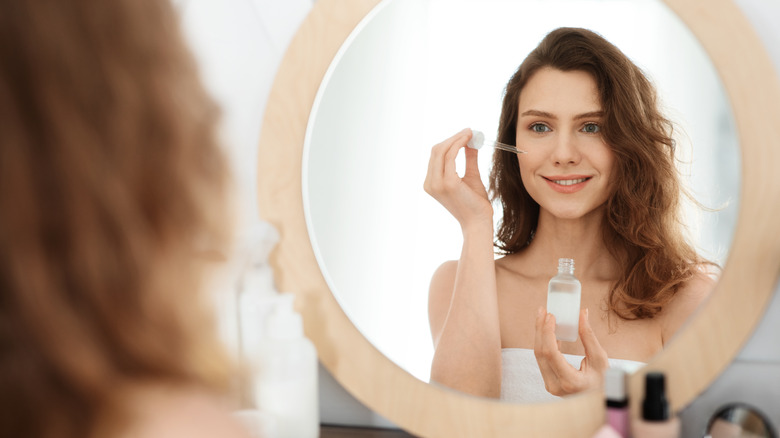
285 383
257 296
563 301
256 289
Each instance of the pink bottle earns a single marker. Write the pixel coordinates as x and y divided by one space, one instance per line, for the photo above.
617 401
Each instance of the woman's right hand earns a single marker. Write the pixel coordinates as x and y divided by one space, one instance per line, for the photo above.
466 197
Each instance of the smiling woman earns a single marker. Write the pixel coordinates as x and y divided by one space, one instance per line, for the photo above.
373 122
346 146
599 185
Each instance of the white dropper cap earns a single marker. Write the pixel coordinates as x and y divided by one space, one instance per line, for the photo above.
284 322
615 384
477 139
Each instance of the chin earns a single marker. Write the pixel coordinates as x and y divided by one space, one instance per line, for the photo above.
568 215
570 212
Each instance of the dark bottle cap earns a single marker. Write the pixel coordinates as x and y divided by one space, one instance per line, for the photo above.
655 406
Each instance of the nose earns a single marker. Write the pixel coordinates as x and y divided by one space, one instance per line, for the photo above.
566 151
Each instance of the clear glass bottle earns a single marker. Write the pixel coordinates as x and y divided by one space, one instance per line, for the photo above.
563 301
286 372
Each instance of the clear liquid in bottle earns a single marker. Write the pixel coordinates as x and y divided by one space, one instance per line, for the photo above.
563 301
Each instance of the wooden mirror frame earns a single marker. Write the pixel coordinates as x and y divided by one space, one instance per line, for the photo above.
701 351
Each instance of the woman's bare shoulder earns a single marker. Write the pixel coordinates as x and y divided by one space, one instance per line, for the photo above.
442 281
445 271
440 296
688 299
163 412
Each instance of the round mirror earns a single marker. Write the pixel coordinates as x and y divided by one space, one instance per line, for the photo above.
414 72
697 355
739 421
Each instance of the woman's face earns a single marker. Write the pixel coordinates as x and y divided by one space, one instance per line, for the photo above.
568 164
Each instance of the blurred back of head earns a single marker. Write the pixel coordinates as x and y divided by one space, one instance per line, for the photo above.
111 188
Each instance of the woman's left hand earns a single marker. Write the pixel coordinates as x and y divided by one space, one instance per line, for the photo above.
560 378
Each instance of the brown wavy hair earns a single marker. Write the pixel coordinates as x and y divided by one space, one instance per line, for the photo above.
642 224
112 188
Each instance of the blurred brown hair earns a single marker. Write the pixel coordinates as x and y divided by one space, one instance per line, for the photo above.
642 225
111 184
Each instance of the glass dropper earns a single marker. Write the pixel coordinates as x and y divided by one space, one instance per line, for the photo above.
478 140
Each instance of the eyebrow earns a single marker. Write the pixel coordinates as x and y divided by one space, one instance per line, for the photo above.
588 115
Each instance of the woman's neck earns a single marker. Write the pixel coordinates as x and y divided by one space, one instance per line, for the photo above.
579 239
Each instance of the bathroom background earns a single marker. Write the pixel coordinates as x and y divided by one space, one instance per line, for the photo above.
239 45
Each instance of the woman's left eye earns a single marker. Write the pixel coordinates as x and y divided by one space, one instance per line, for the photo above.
539 128
591 128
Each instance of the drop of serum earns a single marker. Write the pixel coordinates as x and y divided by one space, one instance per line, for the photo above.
563 301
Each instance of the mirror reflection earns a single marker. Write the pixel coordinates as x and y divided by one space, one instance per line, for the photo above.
415 72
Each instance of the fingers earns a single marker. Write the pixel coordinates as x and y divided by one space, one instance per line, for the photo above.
458 141
595 353
442 161
552 349
542 354
436 165
540 314
545 343
552 364
549 343
560 377
472 164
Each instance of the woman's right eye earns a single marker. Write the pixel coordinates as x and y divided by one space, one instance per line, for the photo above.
539 128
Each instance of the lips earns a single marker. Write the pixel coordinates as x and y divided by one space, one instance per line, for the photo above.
567 183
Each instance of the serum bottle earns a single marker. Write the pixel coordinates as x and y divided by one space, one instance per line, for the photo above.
563 301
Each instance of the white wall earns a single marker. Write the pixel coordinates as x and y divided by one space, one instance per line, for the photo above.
240 43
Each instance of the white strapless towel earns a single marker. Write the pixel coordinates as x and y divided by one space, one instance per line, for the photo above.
521 380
